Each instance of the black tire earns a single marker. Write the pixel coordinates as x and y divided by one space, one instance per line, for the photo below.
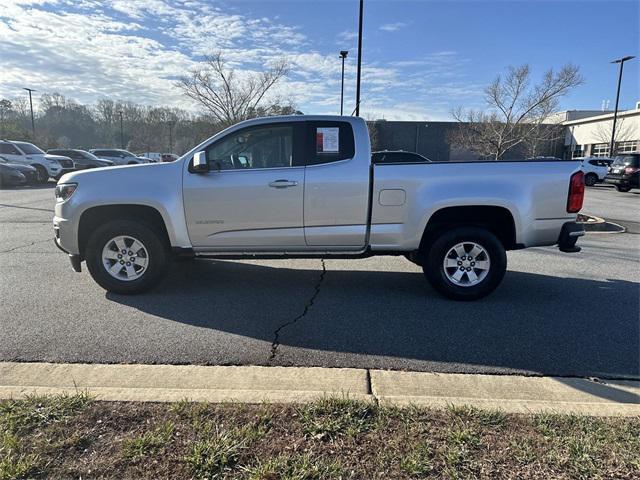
43 175
437 276
623 188
158 256
590 179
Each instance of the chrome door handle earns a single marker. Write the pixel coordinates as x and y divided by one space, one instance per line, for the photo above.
282 183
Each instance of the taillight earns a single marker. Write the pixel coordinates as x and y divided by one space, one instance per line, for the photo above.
576 192
630 170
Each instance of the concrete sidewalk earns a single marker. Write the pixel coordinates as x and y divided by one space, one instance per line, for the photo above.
161 383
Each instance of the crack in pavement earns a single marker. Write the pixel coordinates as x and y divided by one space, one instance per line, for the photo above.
25 246
27 208
276 340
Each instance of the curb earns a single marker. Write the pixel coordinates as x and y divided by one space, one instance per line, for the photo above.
254 384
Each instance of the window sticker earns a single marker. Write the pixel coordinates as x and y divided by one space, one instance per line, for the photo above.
327 140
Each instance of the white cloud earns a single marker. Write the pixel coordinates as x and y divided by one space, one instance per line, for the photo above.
392 27
135 50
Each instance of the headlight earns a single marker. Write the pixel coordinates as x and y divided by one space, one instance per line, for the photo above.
65 190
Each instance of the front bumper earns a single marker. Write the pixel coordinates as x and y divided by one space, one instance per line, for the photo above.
569 235
75 260
15 180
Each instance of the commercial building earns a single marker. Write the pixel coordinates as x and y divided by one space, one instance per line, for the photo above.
581 133
591 136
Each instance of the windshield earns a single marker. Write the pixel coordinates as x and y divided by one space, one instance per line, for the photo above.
627 160
127 154
28 148
88 155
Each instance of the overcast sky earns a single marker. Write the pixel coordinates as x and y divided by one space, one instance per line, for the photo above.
421 59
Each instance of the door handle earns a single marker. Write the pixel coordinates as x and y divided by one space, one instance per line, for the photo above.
283 183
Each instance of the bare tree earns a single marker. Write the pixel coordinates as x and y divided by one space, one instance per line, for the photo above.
624 132
516 111
229 96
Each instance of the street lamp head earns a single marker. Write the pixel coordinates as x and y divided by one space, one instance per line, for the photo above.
344 53
624 59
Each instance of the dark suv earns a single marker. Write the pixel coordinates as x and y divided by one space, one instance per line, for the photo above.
624 172
81 158
397 156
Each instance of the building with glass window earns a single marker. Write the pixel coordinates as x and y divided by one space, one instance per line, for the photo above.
590 135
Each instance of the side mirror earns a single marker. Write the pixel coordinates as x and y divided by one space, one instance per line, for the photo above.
200 162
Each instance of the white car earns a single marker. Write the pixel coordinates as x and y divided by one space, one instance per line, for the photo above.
595 169
118 156
26 153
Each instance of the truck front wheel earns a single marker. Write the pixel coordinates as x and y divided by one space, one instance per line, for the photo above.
465 263
126 257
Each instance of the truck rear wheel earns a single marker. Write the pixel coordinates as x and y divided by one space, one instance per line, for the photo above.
465 263
126 257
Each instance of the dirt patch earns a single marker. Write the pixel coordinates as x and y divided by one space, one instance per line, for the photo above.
74 437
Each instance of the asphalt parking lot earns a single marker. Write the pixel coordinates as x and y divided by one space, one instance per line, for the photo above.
559 314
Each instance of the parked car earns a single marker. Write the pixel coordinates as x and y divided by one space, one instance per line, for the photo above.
304 186
81 158
146 159
169 157
624 172
29 173
117 156
595 169
153 156
25 153
397 156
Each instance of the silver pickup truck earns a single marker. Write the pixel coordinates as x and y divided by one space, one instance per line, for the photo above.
305 186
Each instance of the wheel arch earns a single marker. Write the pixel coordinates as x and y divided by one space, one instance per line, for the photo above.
498 220
93 217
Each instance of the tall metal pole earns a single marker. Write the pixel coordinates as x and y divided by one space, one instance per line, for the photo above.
615 112
359 59
343 55
33 123
121 131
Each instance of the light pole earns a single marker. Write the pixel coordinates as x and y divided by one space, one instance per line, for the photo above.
615 112
121 131
359 59
33 123
343 55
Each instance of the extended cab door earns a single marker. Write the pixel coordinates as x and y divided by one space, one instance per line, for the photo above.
336 193
251 199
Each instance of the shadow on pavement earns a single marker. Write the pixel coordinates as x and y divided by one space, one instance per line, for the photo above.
533 323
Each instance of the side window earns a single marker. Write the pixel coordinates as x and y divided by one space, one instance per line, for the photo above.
332 142
268 146
9 149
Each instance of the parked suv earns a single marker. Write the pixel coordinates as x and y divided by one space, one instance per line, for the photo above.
397 156
81 158
625 172
595 169
117 156
25 153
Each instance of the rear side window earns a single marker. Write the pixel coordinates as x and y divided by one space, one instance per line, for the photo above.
329 142
9 149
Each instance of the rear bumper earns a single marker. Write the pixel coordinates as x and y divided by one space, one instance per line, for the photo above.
569 235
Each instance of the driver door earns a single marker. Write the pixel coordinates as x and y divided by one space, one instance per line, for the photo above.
252 197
